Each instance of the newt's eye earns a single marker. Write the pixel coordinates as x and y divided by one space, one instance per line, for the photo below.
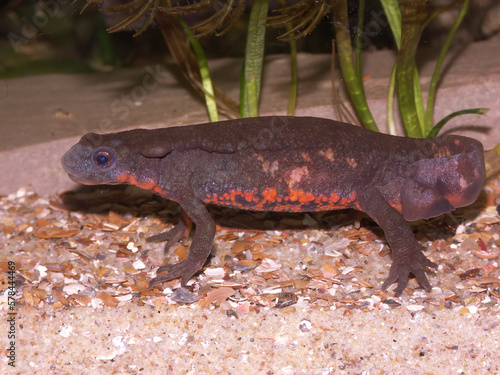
103 158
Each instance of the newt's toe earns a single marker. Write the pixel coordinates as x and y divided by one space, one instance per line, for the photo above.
184 269
401 270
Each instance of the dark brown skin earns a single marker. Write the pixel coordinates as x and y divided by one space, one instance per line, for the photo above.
288 164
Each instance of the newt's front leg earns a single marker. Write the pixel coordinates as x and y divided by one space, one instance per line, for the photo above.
407 256
200 246
180 230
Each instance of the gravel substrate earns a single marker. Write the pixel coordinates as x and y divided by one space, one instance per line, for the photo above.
281 294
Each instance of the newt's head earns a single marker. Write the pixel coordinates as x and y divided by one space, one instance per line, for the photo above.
110 159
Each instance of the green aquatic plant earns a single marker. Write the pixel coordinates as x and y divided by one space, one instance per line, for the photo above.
406 18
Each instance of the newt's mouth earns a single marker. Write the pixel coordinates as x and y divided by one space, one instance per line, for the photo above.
89 183
76 179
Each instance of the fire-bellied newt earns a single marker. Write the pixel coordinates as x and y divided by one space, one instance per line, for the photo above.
288 164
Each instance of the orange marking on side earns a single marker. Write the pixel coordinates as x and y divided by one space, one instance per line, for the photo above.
347 200
306 197
334 198
269 195
302 197
160 191
295 201
130 179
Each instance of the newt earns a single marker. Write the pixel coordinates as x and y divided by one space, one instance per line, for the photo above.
288 164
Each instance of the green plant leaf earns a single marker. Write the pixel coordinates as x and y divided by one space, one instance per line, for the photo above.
254 59
393 14
352 82
437 128
391 126
419 102
206 81
292 99
414 14
429 115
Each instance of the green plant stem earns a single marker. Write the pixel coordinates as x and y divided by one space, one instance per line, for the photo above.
254 59
353 84
429 115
